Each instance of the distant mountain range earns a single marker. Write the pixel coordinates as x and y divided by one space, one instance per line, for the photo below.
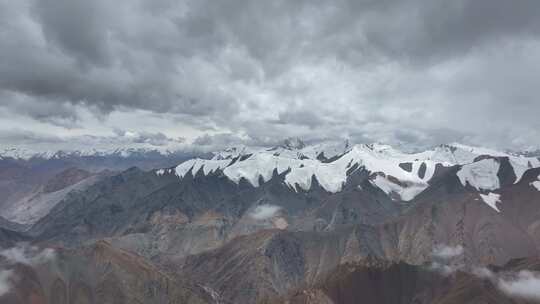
146 158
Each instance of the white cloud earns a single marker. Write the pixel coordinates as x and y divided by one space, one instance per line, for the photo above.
28 255
483 273
447 252
24 254
264 212
5 284
525 285
444 260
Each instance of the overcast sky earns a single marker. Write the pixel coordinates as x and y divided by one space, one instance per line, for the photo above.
160 72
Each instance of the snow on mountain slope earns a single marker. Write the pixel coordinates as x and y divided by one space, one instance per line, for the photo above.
404 175
303 164
405 193
233 152
207 166
536 183
481 175
522 164
491 199
328 150
467 154
27 154
463 154
17 153
394 172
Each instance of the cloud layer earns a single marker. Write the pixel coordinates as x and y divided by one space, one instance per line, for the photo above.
28 255
21 254
447 259
412 72
445 252
525 285
5 284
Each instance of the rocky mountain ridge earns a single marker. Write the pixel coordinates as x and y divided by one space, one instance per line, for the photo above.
255 225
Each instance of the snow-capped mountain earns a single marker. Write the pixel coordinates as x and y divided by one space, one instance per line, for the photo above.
297 211
27 154
401 174
95 160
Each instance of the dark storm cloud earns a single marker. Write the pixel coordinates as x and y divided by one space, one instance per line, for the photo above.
416 29
45 110
97 53
411 71
75 27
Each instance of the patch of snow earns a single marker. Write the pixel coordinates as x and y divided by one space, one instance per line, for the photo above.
125 152
259 165
491 199
194 165
452 155
481 175
328 149
477 150
233 152
405 193
25 154
522 164
536 184
330 176
459 154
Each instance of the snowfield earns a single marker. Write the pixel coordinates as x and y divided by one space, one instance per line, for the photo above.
491 199
481 175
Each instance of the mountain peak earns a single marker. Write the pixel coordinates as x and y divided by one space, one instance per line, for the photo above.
293 143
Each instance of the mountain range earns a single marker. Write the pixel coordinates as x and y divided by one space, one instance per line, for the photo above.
294 223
